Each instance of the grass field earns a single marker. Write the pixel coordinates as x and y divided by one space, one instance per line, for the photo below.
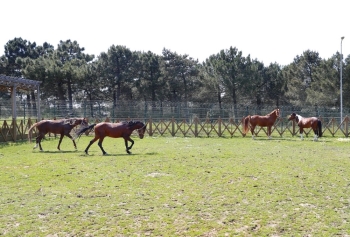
177 187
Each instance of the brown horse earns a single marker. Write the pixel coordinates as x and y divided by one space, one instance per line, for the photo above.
114 130
311 122
62 127
262 121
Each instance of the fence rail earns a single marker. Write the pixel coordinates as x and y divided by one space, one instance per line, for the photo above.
15 130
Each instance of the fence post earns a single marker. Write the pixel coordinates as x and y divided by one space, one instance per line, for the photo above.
145 112
173 127
196 126
14 129
84 106
24 111
150 127
346 126
293 122
219 124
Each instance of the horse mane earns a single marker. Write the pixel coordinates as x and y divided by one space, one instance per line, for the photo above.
129 124
274 111
297 117
132 123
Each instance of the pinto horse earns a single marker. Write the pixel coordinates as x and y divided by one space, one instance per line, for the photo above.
62 127
114 130
262 121
311 122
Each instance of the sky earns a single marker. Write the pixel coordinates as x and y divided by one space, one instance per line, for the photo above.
271 31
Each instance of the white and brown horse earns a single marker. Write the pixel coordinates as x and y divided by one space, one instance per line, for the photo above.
311 122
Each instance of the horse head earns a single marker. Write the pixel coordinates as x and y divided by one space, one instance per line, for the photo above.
84 122
137 125
277 112
293 116
79 121
141 128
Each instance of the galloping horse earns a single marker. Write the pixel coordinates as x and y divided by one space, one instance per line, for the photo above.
62 127
262 121
114 130
311 122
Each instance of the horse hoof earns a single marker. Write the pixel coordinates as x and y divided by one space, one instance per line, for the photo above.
129 152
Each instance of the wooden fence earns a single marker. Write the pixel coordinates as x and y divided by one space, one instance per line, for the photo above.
16 130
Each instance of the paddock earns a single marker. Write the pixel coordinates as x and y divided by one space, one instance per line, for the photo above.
177 186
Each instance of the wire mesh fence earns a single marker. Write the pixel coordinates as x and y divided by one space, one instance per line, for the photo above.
157 110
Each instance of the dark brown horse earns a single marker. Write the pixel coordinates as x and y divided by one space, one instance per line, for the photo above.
62 127
311 122
262 121
115 130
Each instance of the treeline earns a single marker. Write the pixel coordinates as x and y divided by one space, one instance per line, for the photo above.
67 73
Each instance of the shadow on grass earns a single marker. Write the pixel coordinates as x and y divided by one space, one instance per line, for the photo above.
292 139
53 152
120 154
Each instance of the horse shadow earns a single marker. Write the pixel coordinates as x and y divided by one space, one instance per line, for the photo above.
123 154
291 139
57 152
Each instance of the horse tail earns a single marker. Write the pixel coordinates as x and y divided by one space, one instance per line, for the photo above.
30 130
319 126
246 121
81 131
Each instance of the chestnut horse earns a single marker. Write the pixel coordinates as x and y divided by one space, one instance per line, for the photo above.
311 122
262 121
114 130
62 127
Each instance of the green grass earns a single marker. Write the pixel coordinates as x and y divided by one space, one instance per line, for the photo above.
177 187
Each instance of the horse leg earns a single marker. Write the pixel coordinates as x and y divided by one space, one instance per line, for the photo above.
269 132
59 143
252 130
315 134
75 145
91 142
100 145
38 141
126 139
301 133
